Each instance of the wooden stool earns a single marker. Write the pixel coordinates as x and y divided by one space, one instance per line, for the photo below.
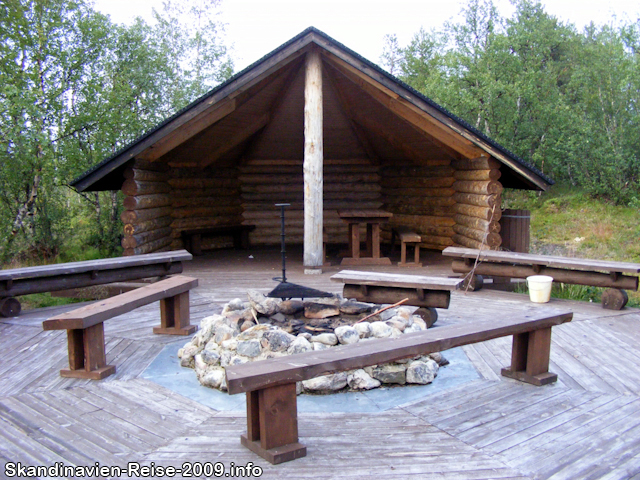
408 237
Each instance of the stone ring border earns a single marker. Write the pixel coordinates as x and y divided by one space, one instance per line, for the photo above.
165 370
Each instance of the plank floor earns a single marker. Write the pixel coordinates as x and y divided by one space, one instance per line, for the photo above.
585 426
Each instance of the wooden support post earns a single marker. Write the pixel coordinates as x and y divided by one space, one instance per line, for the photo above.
272 424
313 164
174 316
87 357
530 358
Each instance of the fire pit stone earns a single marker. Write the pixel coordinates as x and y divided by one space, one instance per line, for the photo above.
263 328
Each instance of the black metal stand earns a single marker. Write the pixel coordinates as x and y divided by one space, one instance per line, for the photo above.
286 289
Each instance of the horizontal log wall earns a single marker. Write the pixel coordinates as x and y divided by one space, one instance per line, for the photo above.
422 198
203 198
477 203
347 184
147 214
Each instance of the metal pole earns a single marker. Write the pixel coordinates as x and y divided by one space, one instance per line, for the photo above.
283 249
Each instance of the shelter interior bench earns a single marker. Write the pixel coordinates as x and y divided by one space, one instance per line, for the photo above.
64 276
192 238
270 385
425 292
85 328
597 273
406 236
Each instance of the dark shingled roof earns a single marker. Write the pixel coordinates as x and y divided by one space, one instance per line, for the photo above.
370 64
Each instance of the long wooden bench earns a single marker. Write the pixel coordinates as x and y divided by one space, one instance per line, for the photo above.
597 273
85 328
64 276
192 238
422 291
270 385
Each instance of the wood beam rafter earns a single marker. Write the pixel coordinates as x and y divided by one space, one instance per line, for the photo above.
188 130
235 140
434 128
275 106
378 129
348 110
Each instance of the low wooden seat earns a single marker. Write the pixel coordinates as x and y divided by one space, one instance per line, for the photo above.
192 238
579 271
270 385
407 237
422 291
85 329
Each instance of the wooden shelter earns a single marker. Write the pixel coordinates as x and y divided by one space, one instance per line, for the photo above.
315 125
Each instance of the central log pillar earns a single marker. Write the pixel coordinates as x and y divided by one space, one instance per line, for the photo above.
312 165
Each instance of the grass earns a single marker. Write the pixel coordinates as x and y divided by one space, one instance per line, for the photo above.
569 223
41 300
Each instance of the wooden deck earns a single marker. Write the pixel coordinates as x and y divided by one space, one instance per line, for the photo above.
586 426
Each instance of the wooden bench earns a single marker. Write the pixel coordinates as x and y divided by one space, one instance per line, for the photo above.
597 273
192 238
64 276
270 385
85 329
407 237
428 293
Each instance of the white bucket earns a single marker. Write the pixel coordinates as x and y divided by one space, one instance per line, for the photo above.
539 288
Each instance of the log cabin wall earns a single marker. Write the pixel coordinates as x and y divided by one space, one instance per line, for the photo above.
477 208
347 184
204 198
147 208
421 198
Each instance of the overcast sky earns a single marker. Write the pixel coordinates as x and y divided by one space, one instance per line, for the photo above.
255 27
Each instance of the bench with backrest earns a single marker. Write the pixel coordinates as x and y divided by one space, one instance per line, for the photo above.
85 329
425 292
406 236
192 238
270 385
579 271
64 276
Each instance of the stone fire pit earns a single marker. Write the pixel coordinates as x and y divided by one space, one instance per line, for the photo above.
262 328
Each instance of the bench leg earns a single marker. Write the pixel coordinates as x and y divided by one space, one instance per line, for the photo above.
354 240
174 316
272 424
87 357
530 358
196 244
614 299
241 239
403 254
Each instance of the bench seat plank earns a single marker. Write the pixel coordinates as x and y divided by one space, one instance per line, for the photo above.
95 265
102 310
279 371
544 260
85 325
354 277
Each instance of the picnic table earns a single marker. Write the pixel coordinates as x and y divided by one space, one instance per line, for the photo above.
373 219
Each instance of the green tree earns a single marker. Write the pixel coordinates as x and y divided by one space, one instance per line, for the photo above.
75 89
189 36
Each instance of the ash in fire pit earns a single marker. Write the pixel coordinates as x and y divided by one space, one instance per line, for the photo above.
264 327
